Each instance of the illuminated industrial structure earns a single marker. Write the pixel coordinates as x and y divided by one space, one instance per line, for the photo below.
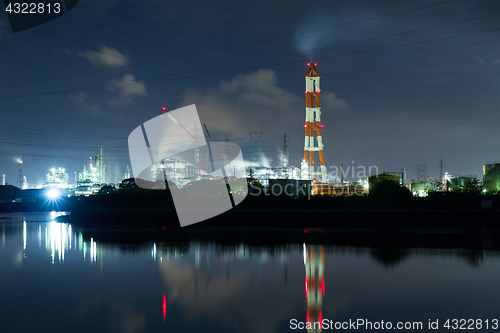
452 183
313 126
423 188
56 178
91 179
197 137
177 171
126 175
491 177
94 174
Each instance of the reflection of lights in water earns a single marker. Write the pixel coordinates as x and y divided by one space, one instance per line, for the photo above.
58 238
39 235
153 252
164 308
84 250
93 246
305 253
24 235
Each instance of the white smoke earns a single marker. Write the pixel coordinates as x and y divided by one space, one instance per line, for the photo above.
265 161
323 29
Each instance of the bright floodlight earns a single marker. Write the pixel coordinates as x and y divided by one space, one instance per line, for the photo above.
53 193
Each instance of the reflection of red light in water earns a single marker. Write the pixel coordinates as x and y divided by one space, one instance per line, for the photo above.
320 317
307 287
323 286
164 307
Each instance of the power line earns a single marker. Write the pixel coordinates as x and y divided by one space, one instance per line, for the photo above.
230 47
162 77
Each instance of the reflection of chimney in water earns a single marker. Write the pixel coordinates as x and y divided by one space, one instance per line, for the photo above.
314 258
286 274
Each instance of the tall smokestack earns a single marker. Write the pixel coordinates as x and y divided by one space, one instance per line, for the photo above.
21 175
3 179
341 174
313 127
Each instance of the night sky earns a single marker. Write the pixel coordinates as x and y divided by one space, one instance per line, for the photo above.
403 82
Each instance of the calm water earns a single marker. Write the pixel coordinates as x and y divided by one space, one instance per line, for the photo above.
56 278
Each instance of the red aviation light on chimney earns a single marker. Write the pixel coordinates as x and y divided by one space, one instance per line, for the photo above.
315 64
308 64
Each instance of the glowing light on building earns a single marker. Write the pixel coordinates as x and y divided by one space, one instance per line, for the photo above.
53 194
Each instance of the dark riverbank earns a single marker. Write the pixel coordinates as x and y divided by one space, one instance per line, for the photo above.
155 208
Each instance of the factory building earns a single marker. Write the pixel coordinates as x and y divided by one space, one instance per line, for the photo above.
339 189
56 178
491 177
422 188
451 183
177 171
126 175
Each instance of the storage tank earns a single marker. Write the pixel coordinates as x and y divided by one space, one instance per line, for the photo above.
458 182
491 177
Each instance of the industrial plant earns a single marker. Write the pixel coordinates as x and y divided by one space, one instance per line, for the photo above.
308 175
92 178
